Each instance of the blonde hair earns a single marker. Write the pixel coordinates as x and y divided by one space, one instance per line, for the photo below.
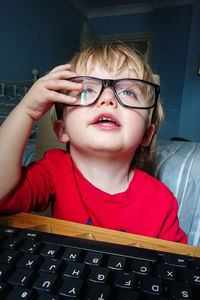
106 55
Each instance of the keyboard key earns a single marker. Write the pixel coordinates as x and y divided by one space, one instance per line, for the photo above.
167 272
9 256
21 277
5 270
195 262
29 234
30 261
74 269
99 275
98 292
93 258
3 289
46 282
51 265
192 276
180 291
152 285
116 262
21 293
176 260
9 231
71 287
51 251
141 267
71 254
31 246
125 280
11 243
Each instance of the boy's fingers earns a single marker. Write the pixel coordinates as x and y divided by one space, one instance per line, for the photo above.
56 85
61 74
60 68
62 98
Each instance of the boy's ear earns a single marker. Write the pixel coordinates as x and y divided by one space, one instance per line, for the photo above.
60 131
146 140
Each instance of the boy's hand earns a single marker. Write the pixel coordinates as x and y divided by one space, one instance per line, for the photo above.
45 91
16 129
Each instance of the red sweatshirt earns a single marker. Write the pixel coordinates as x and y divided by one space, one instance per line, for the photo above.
147 207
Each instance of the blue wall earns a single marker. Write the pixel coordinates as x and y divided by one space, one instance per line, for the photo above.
169 55
122 24
175 35
189 125
36 34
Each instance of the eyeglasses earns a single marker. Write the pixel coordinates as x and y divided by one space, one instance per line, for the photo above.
129 92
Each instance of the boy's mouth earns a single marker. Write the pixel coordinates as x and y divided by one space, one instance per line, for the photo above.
106 120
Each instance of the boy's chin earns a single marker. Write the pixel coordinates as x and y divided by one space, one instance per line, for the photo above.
109 150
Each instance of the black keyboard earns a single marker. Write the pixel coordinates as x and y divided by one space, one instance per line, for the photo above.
38 265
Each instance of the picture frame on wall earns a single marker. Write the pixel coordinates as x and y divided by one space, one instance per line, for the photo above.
141 41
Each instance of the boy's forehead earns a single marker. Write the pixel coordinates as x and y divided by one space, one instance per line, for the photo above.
117 68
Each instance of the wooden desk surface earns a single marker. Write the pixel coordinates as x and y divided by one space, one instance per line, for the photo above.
46 224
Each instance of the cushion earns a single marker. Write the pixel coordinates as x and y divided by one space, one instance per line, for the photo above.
178 166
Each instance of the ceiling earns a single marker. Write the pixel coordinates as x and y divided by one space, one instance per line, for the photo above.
94 4
100 8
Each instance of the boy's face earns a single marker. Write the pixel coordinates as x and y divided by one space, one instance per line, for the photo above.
105 127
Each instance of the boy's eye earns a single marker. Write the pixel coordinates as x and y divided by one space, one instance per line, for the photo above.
128 93
87 95
87 91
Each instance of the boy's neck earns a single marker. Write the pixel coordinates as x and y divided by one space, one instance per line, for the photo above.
110 174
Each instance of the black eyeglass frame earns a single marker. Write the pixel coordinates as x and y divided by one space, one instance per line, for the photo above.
111 83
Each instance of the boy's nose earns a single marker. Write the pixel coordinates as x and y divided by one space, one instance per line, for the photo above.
107 98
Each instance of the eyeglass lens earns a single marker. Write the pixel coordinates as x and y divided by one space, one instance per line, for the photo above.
131 92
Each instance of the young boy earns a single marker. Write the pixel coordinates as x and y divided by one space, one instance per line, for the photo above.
108 111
